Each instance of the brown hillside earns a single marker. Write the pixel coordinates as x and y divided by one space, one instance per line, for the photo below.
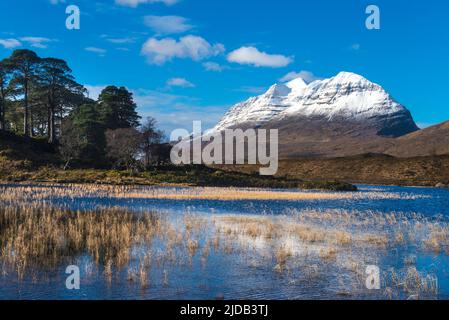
430 141
370 169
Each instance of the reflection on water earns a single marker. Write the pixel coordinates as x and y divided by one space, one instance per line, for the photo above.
263 249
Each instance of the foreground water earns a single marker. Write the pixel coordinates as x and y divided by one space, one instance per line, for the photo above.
251 266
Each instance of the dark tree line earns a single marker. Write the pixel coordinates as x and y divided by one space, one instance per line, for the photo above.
39 97
36 94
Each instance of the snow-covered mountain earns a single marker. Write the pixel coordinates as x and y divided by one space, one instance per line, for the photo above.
347 98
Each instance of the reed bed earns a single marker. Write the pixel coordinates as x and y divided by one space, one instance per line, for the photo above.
345 240
36 238
10 193
45 237
307 247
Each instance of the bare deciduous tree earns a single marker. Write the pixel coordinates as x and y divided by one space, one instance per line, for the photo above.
123 147
70 146
151 137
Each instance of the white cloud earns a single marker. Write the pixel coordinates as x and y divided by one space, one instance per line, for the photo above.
57 1
307 76
37 42
167 24
151 99
10 43
180 82
213 66
355 47
135 3
252 56
101 52
120 40
159 51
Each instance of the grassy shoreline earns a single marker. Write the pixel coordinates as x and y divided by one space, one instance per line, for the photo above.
197 176
32 160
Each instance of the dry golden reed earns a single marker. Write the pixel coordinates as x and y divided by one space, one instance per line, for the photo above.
49 191
48 236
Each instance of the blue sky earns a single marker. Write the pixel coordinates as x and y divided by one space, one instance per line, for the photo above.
192 59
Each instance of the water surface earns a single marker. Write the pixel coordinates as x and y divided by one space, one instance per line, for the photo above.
245 274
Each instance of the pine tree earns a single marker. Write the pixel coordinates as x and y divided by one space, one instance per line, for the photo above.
24 65
58 90
117 108
90 132
5 91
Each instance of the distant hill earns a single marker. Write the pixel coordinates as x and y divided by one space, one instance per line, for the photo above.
329 141
430 141
418 158
367 169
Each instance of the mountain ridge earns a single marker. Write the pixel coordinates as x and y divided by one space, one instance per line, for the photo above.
341 116
346 96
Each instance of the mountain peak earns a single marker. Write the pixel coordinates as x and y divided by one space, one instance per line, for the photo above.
297 84
346 97
349 77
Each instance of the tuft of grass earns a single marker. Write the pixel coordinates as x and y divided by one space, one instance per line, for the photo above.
328 254
192 247
343 238
282 255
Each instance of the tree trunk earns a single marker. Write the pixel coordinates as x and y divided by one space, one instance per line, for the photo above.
51 126
2 116
66 166
51 119
26 124
147 157
48 124
31 121
2 106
